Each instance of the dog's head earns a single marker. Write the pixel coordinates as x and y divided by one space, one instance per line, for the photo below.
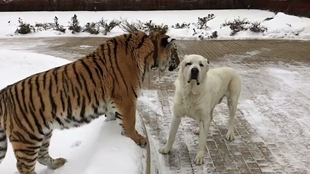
194 67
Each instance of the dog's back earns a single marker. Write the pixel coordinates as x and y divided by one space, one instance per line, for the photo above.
226 74
225 81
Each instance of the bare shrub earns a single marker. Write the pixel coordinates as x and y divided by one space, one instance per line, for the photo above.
256 27
24 28
181 26
91 28
75 25
108 26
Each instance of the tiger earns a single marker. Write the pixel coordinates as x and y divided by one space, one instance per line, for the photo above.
106 81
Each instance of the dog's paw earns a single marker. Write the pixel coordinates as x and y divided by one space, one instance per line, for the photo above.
164 150
230 136
200 158
196 131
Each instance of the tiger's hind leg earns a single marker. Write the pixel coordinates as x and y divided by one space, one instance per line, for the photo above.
44 157
26 147
3 144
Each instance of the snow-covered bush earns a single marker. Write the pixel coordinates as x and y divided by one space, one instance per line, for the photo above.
108 26
24 28
92 28
256 27
203 21
58 27
236 25
181 26
131 27
143 26
243 25
202 30
150 26
43 26
75 25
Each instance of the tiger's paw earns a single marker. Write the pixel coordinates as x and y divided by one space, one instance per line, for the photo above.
58 162
141 141
123 133
136 137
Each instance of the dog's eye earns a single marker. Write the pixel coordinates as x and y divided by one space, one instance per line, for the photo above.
188 64
201 65
208 62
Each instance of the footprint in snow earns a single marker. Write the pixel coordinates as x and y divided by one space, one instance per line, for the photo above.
76 144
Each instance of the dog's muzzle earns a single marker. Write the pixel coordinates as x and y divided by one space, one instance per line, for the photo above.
194 75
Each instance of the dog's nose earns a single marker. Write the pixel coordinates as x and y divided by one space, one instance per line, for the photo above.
194 71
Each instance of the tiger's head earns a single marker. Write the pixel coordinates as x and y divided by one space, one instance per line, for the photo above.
165 52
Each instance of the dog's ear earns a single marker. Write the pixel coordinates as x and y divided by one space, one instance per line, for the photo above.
182 63
206 62
183 59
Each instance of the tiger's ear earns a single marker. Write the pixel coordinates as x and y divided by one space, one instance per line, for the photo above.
166 41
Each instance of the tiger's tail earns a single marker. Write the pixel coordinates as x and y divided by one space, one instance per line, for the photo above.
3 143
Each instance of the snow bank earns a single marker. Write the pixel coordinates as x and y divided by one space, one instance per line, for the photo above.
281 26
92 149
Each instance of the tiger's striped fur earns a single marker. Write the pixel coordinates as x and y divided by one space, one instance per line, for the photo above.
107 81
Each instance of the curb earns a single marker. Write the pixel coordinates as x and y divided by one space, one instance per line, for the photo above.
148 149
151 167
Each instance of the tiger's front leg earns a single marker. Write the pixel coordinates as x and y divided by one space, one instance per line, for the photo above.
44 157
127 113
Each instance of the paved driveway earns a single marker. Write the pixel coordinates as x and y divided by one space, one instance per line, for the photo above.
273 122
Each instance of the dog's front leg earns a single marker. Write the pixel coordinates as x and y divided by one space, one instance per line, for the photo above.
175 122
203 132
196 131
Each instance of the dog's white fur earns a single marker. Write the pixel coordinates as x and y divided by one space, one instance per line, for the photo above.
197 98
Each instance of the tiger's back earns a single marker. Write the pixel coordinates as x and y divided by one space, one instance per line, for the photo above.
107 81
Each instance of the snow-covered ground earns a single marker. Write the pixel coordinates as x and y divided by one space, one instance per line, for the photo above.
92 149
281 26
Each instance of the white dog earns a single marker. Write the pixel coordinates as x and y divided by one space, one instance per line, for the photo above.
197 91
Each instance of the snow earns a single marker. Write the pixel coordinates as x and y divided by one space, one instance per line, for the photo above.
281 115
95 148
282 26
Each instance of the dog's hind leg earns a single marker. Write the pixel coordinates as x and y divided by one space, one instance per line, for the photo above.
232 102
232 105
